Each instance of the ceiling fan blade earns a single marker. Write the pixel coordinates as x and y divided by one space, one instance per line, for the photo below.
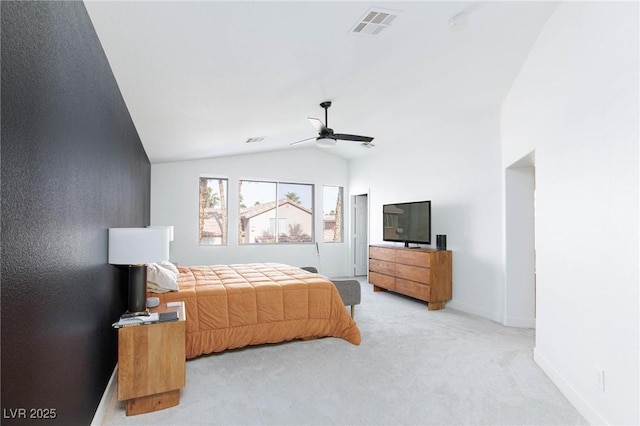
356 138
303 140
317 124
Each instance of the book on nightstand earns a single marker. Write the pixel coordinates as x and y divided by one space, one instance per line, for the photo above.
137 320
168 316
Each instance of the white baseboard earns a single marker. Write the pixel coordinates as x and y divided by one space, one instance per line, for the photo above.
474 310
574 397
98 417
519 322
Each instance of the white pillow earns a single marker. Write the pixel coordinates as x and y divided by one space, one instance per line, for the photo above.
162 276
155 288
170 266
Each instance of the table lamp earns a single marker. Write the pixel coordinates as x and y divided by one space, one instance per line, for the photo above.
169 227
134 247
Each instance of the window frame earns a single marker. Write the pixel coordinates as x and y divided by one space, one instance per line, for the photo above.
224 228
340 222
244 223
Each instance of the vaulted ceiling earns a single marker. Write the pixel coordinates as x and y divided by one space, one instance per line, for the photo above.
201 78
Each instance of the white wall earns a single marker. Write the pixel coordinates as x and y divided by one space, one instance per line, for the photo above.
456 165
575 102
174 201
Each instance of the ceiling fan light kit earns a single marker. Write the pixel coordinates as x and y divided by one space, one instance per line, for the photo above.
325 142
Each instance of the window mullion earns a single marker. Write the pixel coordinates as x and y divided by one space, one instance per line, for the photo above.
277 227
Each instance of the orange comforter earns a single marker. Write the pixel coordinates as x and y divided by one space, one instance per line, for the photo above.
231 306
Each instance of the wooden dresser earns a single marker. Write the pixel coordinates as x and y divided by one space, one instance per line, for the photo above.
422 273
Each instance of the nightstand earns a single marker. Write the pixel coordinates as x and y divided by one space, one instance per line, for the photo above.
152 363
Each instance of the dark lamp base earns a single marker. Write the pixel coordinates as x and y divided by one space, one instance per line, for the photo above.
137 301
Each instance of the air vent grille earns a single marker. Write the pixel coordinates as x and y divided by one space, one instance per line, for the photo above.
255 139
374 21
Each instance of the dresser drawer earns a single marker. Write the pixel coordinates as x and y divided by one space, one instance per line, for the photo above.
413 289
382 253
382 280
382 267
414 273
414 257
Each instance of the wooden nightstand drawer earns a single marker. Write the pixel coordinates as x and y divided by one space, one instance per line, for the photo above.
151 359
152 364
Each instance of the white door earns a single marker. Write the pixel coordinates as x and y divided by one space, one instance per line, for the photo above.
360 239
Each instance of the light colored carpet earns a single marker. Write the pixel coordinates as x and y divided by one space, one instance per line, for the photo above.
414 367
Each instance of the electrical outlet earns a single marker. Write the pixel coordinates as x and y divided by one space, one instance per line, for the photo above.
600 380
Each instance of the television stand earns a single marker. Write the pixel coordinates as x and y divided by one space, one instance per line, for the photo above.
424 274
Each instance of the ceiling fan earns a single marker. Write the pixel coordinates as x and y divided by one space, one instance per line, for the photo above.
326 137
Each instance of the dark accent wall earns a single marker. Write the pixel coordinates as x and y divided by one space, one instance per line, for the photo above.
72 167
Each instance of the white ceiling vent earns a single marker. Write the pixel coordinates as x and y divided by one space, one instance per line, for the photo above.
255 139
374 21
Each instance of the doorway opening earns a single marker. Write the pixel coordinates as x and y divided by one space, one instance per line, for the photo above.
360 234
520 258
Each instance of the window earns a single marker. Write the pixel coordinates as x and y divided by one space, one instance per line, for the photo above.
332 208
213 212
275 212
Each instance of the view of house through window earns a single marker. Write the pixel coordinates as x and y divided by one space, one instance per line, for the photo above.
213 212
332 208
275 212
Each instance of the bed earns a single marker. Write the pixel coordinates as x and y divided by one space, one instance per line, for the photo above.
232 306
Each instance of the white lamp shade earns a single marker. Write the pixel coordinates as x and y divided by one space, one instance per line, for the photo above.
136 246
325 142
170 228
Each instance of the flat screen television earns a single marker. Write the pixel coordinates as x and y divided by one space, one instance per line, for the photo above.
407 222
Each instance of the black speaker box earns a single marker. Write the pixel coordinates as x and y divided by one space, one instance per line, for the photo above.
441 242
